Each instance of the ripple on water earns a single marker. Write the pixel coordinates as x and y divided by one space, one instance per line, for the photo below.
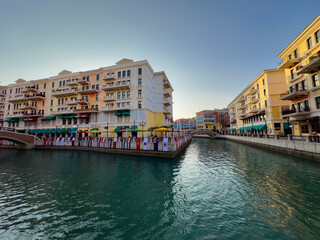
215 190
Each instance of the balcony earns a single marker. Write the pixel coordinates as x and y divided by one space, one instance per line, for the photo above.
117 86
87 110
83 81
83 101
166 111
166 102
254 110
253 91
296 113
29 89
26 114
25 107
64 111
109 77
72 102
313 66
241 107
65 92
166 93
73 82
88 91
294 94
289 63
109 99
27 97
2 94
166 84
241 99
243 114
115 108
253 100
233 120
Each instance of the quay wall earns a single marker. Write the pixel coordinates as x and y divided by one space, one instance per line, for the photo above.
309 150
132 152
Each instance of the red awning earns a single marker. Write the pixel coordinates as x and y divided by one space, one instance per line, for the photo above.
83 131
30 119
78 116
84 115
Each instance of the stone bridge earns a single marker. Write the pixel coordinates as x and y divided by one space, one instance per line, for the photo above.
204 132
23 141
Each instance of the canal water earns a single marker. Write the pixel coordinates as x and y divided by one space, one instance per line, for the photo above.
216 190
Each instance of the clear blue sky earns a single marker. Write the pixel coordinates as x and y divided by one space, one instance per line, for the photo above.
210 50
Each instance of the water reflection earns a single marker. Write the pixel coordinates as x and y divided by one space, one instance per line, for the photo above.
215 190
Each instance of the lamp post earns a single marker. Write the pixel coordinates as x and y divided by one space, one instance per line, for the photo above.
107 130
134 126
143 124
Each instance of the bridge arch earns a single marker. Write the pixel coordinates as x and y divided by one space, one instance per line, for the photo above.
204 132
23 141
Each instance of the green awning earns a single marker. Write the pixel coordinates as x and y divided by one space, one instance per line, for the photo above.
49 118
118 114
133 127
67 116
117 128
126 113
92 129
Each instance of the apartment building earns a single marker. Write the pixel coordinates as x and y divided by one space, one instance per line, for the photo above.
258 106
217 119
301 63
128 95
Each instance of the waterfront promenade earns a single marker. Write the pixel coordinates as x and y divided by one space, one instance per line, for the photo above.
306 147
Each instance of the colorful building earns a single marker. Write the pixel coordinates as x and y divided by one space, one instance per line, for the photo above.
258 106
301 63
217 119
128 95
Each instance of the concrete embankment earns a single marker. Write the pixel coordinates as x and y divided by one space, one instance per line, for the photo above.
132 152
309 150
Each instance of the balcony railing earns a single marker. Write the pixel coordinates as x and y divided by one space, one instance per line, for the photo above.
241 99
253 100
64 92
115 108
166 93
289 63
117 86
29 89
88 91
83 101
73 82
254 110
72 102
296 112
294 94
108 99
63 111
313 66
241 107
27 107
27 97
166 102
253 91
28 114
109 77
87 110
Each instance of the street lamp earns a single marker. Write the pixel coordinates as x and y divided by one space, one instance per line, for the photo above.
107 130
143 124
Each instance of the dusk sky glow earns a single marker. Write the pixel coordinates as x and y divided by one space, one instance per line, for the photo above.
210 50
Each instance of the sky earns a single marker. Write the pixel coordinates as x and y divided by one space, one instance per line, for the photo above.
210 50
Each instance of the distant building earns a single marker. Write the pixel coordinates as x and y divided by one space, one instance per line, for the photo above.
217 119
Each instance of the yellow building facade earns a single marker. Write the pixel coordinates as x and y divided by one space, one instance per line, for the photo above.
127 96
258 108
301 63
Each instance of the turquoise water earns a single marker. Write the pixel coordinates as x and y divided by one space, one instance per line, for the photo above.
216 190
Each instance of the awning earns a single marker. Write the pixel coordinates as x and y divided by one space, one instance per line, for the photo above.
124 113
67 116
49 118
286 126
30 119
12 120
117 128
84 115
94 129
133 127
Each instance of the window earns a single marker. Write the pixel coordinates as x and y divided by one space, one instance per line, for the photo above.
44 85
51 102
123 94
306 105
292 73
257 86
52 84
64 83
128 94
277 126
139 82
93 86
118 105
129 73
264 92
119 74
10 91
317 36
97 86
317 102
139 104
296 53
139 71
265 103
290 56
118 95
123 104
315 80
42 103
97 97
309 42
64 121
59 101
139 93
123 73
304 127
60 83
98 77
303 85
